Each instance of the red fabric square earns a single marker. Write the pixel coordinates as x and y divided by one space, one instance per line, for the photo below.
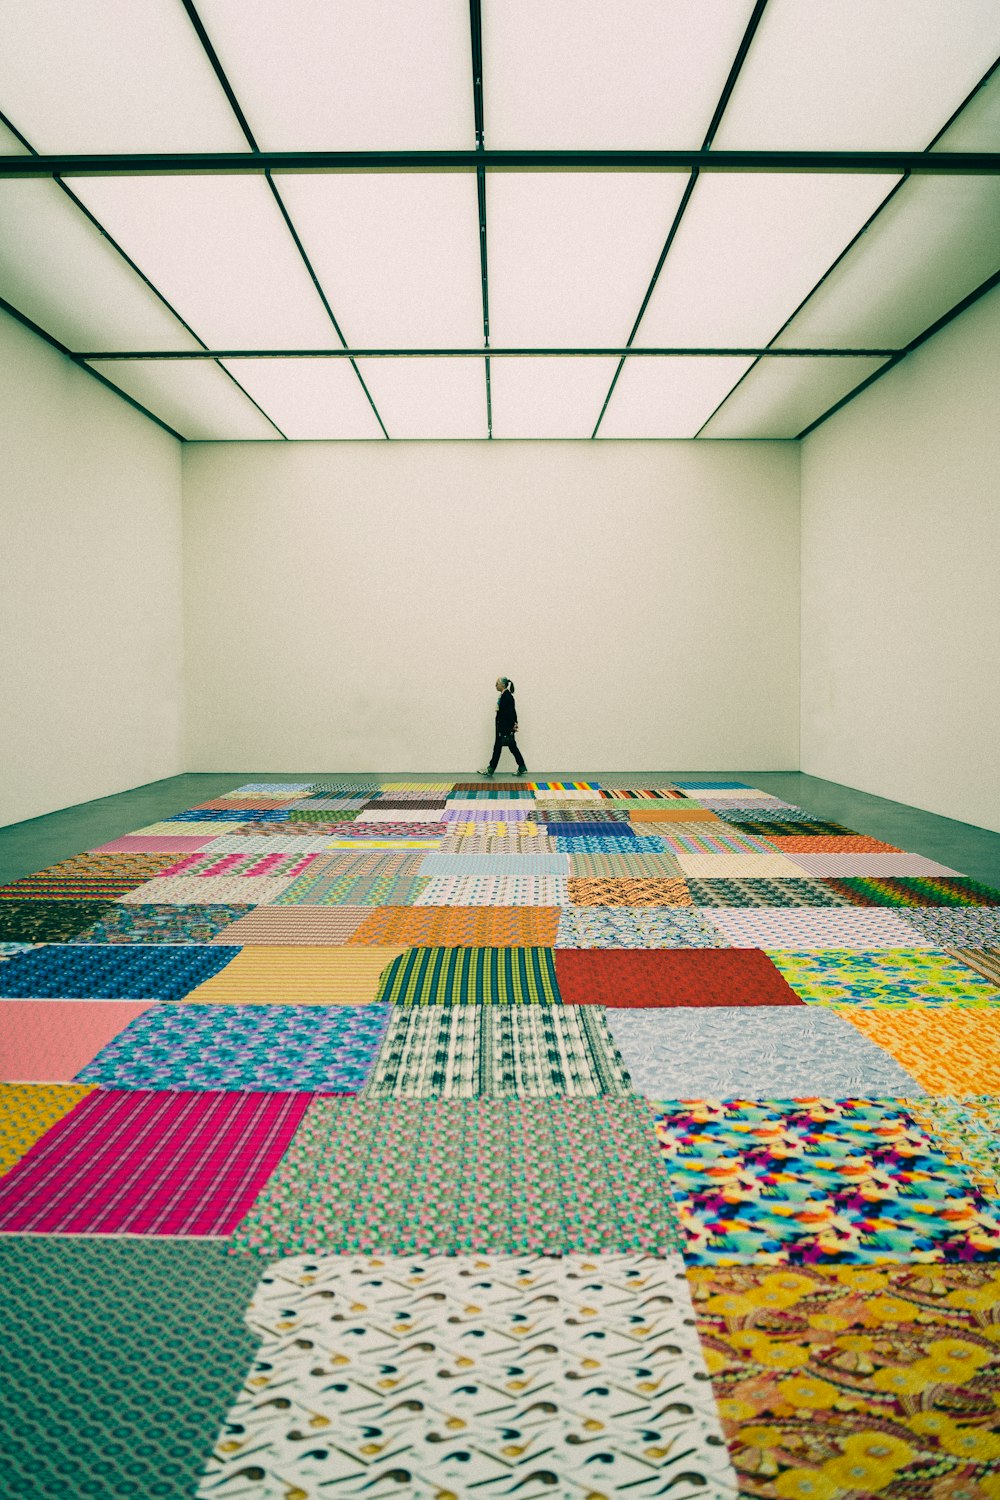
670 976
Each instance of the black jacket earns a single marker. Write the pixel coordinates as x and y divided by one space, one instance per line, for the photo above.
506 713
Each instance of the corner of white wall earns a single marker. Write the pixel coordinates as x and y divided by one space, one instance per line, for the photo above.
900 561
91 600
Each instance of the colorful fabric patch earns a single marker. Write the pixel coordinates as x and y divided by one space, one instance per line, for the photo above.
884 976
208 890
494 890
288 925
134 843
497 1051
494 864
126 1354
719 841
539 1422
853 843
782 1052
670 976
471 976
681 812
351 890
791 892
869 864
287 1047
297 975
606 828
459 926
349 832
458 814
247 865
737 866
983 961
87 877
855 1381
163 924
27 1111
641 866
600 892
150 1162
49 1041
818 1181
635 927
497 838
948 1049
65 971
914 890
815 927
49 921
454 1176
954 926
967 1131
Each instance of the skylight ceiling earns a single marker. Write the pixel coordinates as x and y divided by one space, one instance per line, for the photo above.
742 293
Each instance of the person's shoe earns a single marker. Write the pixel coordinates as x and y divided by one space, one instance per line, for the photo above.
486 771
521 771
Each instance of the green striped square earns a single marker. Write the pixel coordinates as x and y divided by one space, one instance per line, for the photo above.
471 976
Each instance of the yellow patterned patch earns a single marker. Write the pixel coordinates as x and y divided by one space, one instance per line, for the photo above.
948 1049
28 1111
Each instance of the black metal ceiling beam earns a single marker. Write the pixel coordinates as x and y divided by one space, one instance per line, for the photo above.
217 163
244 124
476 33
749 33
495 353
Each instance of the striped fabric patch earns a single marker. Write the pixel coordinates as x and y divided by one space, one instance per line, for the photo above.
499 1051
472 976
495 864
150 1162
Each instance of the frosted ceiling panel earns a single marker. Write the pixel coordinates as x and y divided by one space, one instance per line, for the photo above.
858 75
194 397
397 254
978 126
548 398
749 248
668 397
935 241
111 75
9 143
780 397
219 251
429 398
349 75
582 74
309 398
58 270
571 253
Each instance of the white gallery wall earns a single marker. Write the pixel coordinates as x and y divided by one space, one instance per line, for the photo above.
901 580
348 606
90 586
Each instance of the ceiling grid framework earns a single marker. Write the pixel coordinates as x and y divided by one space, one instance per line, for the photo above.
798 241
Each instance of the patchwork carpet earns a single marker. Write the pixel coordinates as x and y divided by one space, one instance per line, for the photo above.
395 1137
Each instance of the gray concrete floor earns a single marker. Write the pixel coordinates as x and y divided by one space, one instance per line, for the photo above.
38 842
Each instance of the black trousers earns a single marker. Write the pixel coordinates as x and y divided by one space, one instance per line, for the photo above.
511 743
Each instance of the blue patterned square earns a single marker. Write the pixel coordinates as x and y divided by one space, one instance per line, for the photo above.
322 1048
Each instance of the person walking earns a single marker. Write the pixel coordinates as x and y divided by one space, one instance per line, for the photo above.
506 728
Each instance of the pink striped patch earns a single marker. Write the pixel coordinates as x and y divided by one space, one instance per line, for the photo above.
137 843
146 1161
